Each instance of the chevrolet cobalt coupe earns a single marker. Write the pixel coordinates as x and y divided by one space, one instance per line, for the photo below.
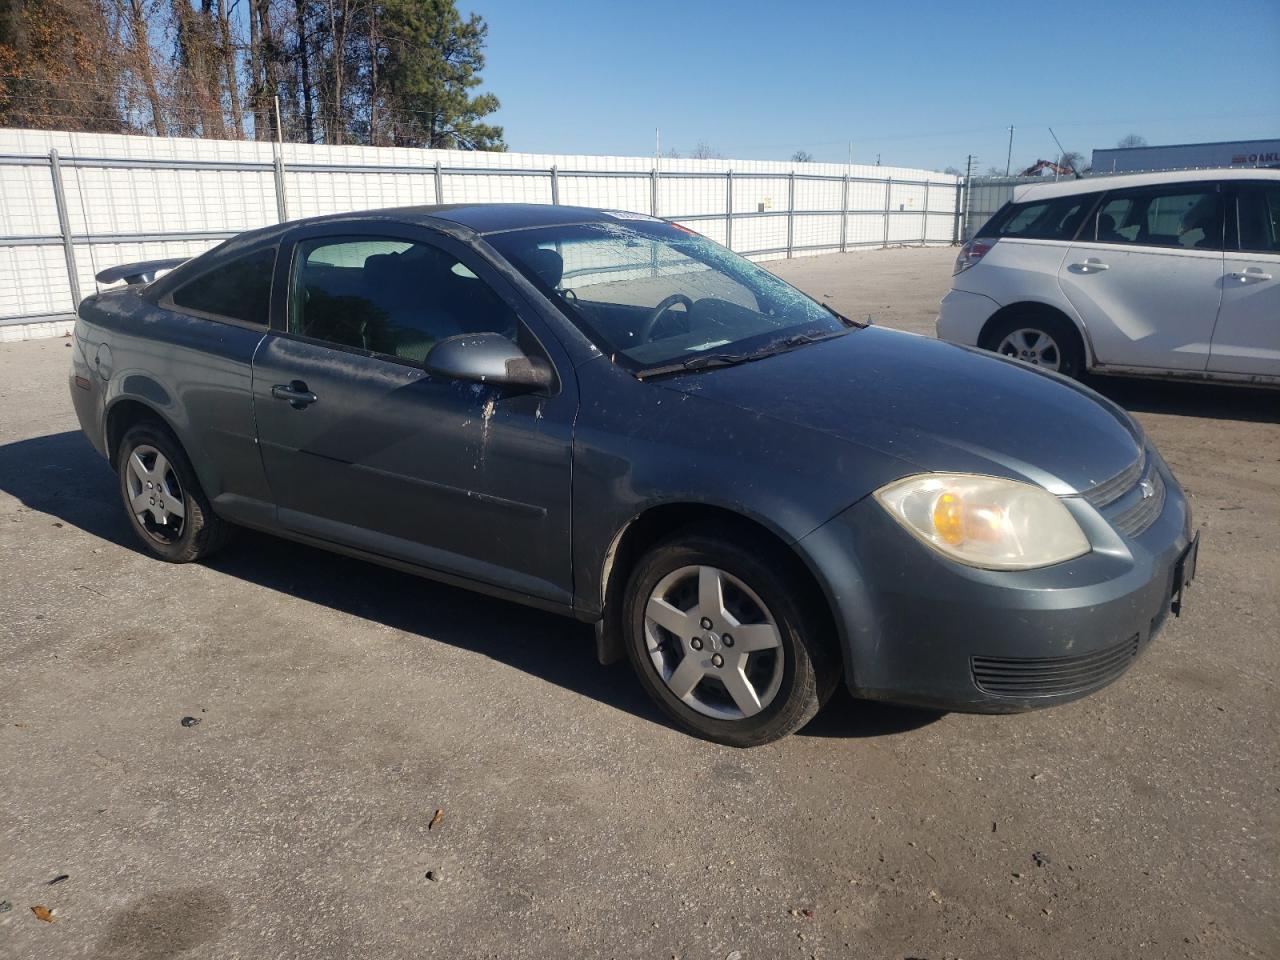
606 415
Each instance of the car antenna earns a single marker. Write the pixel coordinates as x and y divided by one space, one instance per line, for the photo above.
1063 154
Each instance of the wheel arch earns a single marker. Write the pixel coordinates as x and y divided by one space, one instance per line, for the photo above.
1036 308
664 520
122 414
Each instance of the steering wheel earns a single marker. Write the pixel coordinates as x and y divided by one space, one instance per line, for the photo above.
658 312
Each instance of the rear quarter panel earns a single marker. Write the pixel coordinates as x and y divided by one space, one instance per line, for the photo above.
194 373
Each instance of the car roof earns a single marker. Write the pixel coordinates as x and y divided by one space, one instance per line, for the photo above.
460 219
1066 188
476 217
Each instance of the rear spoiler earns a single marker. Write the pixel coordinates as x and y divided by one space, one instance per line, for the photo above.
144 271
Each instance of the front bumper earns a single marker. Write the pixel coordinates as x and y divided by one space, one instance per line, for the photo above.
920 629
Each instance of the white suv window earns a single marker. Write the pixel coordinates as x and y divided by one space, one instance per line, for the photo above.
1181 215
1040 220
1258 214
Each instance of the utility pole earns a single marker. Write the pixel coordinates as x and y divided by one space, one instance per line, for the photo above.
1008 160
657 146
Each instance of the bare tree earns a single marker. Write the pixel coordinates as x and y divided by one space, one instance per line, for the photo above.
802 156
134 15
704 151
1132 140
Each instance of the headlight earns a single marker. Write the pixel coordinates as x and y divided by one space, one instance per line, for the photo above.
985 521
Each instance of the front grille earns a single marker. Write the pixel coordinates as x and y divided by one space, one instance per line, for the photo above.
1109 491
1142 514
1052 676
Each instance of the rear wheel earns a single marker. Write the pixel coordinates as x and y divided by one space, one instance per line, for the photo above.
168 510
723 643
1040 339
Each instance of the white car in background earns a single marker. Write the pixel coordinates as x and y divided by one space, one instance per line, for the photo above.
1158 274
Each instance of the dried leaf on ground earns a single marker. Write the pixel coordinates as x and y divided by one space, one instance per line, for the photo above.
43 913
435 819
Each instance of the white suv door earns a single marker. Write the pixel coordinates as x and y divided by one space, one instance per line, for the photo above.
1145 275
1247 337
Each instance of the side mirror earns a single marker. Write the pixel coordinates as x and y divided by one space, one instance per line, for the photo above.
488 358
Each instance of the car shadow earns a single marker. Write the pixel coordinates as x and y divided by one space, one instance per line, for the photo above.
1190 399
61 475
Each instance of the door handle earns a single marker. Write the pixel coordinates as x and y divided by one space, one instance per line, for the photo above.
1092 265
1251 273
295 392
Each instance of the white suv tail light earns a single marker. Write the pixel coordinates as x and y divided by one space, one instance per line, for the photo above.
972 252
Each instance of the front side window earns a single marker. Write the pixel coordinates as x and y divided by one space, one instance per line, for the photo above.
1258 213
1181 216
240 289
389 296
650 293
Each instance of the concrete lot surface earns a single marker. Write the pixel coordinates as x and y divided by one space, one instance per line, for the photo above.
340 705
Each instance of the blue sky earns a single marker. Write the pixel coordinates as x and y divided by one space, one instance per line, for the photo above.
921 84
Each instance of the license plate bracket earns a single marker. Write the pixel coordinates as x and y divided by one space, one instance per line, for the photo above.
1184 571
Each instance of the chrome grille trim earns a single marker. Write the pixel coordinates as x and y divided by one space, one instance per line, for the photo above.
1142 514
1109 491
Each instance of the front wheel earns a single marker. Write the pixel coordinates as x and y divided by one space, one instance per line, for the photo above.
168 510
723 643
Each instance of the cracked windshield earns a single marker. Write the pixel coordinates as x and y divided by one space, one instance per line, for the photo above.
652 294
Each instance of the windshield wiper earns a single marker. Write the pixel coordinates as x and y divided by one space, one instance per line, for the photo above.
860 324
703 361
708 361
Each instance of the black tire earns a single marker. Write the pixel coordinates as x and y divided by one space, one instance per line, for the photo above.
811 664
202 532
1063 333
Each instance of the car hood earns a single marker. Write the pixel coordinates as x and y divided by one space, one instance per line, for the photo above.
934 405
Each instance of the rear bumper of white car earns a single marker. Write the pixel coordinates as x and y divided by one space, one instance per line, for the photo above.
962 315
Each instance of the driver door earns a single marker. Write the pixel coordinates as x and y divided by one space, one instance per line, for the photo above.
363 448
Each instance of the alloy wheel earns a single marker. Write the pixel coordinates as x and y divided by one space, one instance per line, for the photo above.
1031 346
713 642
155 494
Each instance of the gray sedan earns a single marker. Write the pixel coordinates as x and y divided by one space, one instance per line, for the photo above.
604 414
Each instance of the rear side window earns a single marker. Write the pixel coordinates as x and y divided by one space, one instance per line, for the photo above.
1183 216
240 289
1258 213
1044 220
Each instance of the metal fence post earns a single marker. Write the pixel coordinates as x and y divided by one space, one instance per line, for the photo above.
844 216
888 194
728 209
653 192
282 203
955 219
64 225
791 212
924 227
555 185
439 184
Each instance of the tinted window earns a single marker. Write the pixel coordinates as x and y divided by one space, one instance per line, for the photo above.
394 297
240 289
1176 216
1258 209
1044 220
